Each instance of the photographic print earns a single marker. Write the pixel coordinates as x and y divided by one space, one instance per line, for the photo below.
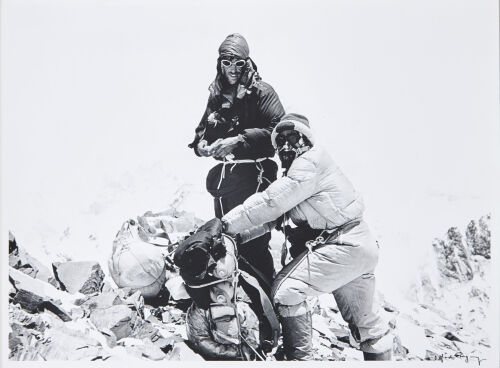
199 181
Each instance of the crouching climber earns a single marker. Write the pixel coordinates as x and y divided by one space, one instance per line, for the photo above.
225 321
333 249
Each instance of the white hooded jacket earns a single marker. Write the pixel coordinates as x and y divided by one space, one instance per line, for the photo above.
314 191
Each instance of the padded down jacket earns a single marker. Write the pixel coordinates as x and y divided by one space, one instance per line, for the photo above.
256 115
207 338
314 191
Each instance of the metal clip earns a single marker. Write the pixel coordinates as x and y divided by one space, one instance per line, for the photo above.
310 244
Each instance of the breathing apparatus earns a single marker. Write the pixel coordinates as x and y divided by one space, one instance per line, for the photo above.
225 266
290 147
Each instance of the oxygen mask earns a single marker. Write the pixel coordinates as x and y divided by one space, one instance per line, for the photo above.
290 144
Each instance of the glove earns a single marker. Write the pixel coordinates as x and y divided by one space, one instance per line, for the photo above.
213 228
297 238
203 149
226 146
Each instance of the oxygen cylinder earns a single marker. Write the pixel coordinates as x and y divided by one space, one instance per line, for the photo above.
226 266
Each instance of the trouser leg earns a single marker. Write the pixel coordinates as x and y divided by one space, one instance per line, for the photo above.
257 253
296 323
358 308
346 269
289 296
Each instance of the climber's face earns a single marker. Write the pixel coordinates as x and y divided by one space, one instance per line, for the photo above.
232 68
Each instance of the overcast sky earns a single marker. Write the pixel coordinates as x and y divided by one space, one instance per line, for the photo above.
404 95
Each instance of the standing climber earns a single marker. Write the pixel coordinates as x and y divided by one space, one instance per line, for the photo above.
333 249
235 129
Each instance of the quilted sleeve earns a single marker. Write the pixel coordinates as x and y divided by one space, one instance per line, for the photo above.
198 333
280 197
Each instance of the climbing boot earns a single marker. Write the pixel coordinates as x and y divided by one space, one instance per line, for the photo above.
378 356
297 337
379 348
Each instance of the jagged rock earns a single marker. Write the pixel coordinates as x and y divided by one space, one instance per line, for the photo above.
45 337
479 240
12 291
324 352
136 302
12 243
451 336
166 317
66 344
83 277
176 329
20 316
100 301
146 350
119 319
476 292
151 318
182 352
14 339
35 295
125 292
34 304
143 347
171 315
25 327
78 313
453 256
399 350
168 340
353 354
145 330
441 351
321 325
429 316
24 262
176 314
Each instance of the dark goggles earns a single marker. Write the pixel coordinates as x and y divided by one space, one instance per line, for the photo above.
238 63
290 136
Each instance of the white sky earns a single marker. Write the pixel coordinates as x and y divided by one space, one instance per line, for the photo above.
99 100
404 94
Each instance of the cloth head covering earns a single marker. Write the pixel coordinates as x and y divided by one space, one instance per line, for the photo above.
292 121
236 45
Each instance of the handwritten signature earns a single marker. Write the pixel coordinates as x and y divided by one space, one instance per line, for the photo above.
443 357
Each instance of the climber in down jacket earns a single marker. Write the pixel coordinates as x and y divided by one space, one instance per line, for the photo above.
231 317
319 199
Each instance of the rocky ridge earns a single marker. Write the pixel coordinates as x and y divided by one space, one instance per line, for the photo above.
74 312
